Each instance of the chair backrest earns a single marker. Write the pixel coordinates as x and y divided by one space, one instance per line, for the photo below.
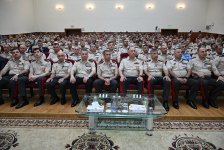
123 55
46 54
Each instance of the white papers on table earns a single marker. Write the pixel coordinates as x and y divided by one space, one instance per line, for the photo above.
95 107
134 108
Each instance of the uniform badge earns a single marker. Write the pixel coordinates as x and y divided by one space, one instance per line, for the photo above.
43 69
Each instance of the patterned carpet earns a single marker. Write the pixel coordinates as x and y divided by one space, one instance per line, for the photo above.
67 134
76 123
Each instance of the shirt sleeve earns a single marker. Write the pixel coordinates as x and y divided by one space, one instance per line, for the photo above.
145 66
165 67
31 67
191 64
74 67
48 67
70 67
215 63
140 65
169 65
188 65
99 70
93 66
121 67
53 69
26 65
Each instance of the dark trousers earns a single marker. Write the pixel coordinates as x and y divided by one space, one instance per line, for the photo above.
88 84
40 82
88 87
160 81
194 87
203 84
99 85
52 84
177 85
13 85
132 80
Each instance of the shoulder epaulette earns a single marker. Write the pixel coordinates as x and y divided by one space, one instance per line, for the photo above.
90 60
67 61
101 61
47 60
185 61
148 60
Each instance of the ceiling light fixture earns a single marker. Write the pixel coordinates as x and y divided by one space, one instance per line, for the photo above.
119 6
149 6
181 6
59 7
90 6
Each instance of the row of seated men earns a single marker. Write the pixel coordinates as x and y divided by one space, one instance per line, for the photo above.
72 46
196 73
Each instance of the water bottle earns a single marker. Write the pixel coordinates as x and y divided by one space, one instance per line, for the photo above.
85 100
150 111
95 99
113 104
151 102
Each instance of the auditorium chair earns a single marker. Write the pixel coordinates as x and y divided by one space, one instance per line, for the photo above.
123 55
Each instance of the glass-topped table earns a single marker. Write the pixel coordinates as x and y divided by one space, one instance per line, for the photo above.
116 105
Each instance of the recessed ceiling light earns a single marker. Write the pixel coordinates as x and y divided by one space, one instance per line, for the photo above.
149 6
181 6
90 6
119 6
59 7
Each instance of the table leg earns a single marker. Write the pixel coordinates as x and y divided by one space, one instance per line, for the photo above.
149 126
92 124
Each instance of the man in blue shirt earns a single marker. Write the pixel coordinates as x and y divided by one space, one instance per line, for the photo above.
185 55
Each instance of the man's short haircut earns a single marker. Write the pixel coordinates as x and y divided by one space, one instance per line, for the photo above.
105 51
39 41
145 45
201 46
13 49
220 44
35 49
76 47
177 49
109 42
153 50
156 41
84 50
131 47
